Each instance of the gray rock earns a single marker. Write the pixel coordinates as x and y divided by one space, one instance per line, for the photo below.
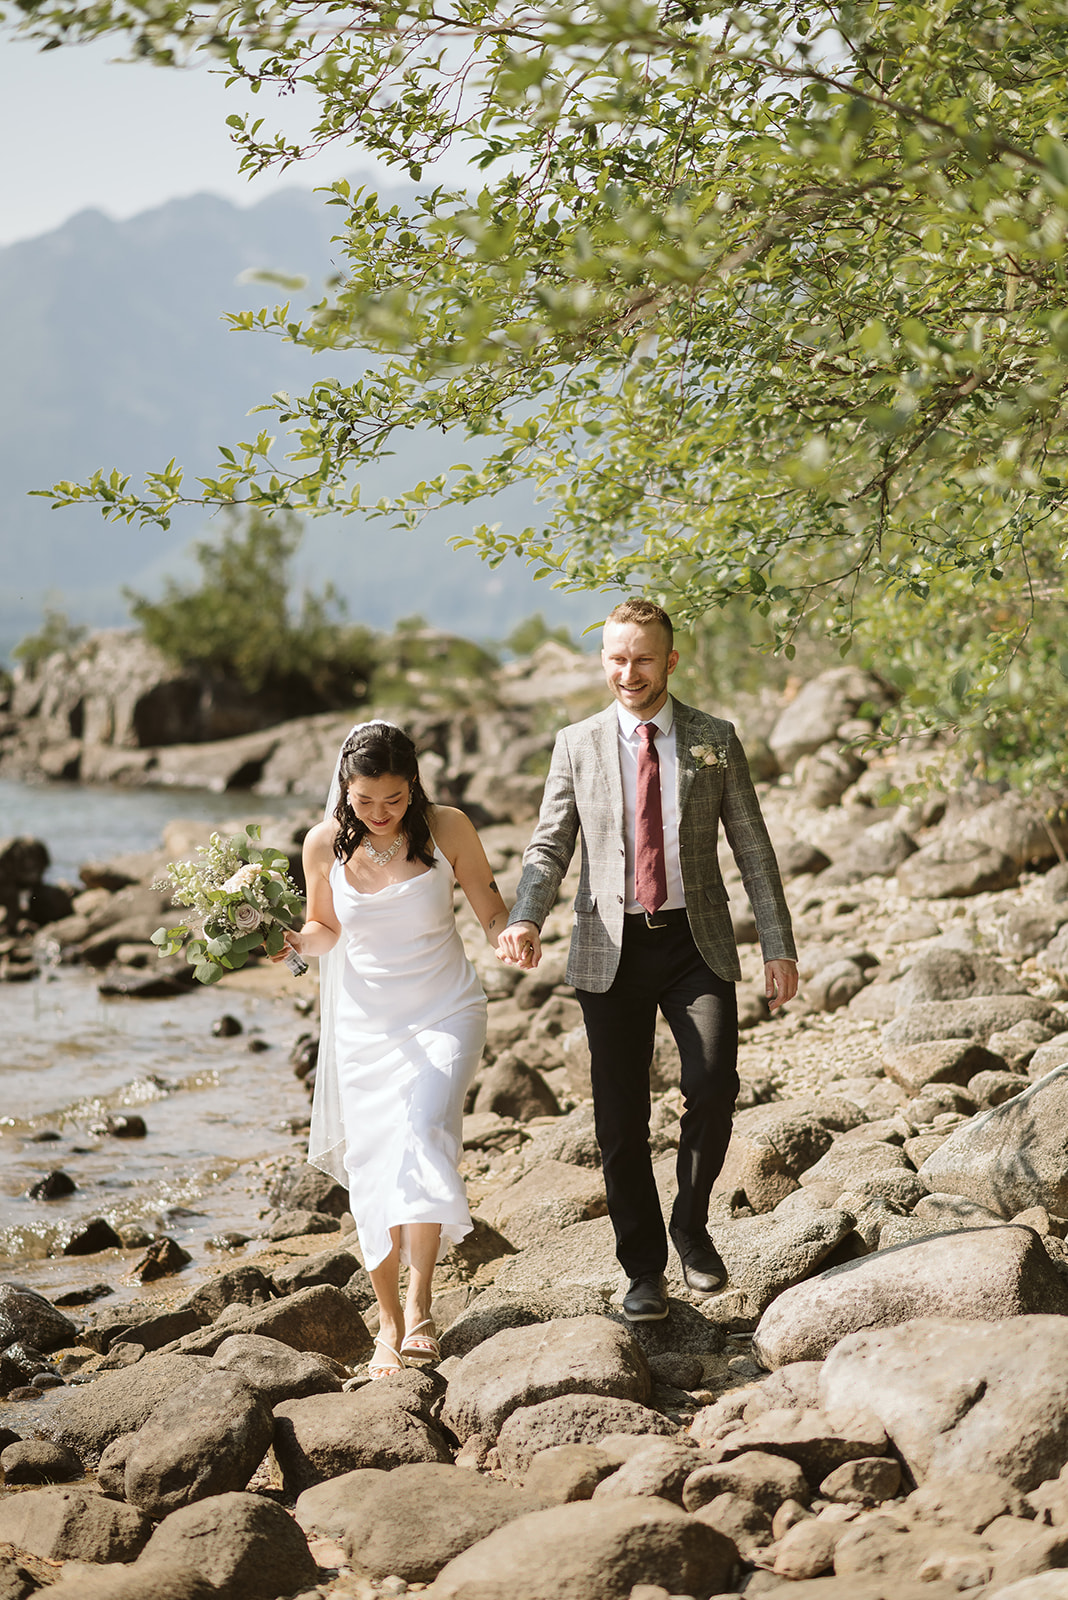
1048 1056
324 1509
951 868
418 1518
241 1546
1018 1044
566 1472
807 1549
683 1335
572 1419
548 1197
244 1285
823 777
322 1319
298 1224
975 1276
524 1366
496 1309
911 926
306 1188
971 1499
867 1482
39 1461
582 1257
852 1162
386 1424
26 1317
1018 828
815 715
765 1255
1025 930
90 1417
72 1524
336 1267
989 1089
875 853
817 1441
973 1019
274 1370
511 1088
989 1397
1054 957
833 986
206 1438
1011 1157
771 1146
939 973
596 1549
571 1139
945 1212
657 1470
767 1480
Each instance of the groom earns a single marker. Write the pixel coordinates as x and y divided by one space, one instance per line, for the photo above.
645 784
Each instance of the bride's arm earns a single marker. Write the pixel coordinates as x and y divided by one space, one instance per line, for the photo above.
321 930
460 844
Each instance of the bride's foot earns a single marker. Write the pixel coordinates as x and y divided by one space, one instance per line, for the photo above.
385 1361
419 1346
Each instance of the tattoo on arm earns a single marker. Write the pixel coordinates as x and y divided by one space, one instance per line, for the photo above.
494 889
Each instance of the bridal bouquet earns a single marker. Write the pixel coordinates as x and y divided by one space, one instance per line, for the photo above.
243 898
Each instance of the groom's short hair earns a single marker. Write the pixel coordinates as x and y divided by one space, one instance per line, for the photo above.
643 613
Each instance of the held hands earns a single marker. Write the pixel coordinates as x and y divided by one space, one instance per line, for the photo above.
780 982
520 946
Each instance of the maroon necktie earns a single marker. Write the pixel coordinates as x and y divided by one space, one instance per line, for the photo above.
650 871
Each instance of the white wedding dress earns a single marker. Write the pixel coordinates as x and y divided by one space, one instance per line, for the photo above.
410 1029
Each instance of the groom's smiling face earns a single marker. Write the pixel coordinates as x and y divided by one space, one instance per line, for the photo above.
637 665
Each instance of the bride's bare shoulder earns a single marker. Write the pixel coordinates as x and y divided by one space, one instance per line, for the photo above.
319 841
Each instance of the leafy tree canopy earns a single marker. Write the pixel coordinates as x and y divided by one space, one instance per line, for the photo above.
768 302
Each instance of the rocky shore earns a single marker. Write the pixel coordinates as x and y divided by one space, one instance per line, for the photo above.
875 1406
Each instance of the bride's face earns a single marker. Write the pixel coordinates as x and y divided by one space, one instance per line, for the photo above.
380 803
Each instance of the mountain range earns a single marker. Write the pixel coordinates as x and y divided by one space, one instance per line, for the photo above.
116 355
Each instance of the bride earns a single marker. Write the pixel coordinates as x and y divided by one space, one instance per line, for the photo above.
403 1019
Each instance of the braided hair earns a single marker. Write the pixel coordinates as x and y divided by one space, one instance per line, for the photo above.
377 750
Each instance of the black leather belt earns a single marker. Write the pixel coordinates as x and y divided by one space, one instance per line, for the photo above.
656 919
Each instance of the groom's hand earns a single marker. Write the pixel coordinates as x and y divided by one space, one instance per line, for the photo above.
780 982
520 946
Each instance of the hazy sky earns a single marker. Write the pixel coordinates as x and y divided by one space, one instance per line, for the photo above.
79 129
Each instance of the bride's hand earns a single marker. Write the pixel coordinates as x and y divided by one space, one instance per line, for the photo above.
293 942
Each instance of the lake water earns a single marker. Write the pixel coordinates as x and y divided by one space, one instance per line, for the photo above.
81 823
219 1114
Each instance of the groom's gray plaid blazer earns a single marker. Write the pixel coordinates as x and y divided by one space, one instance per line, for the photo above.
584 797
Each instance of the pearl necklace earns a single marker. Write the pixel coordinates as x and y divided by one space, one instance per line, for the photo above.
382 858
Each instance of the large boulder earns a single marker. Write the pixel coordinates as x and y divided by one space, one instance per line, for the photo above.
26 1317
576 1551
207 1438
550 1196
572 1419
975 1018
822 705
415 1519
523 1366
1012 1157
766 1254
952 867
580 1257
496 1309
771 1146
274 1370
962 1397
976 1275
942 973
90 1417
231 1547
72 1524
385 1424
321 1319
957 1061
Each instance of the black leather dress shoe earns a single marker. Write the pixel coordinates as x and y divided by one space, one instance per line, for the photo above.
703 1270
645 1300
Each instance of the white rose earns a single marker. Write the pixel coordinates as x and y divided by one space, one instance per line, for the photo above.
242 878
245 917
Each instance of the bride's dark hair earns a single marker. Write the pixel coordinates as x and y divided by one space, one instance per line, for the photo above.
375 751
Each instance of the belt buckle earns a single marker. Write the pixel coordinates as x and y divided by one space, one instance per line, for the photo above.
648 915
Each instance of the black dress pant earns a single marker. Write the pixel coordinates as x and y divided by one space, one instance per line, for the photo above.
660 969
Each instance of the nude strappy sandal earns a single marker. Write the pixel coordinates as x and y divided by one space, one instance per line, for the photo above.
419 1349
386 1369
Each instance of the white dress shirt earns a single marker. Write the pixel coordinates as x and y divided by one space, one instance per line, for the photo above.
629 746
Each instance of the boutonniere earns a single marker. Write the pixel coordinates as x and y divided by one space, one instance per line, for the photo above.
709 755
